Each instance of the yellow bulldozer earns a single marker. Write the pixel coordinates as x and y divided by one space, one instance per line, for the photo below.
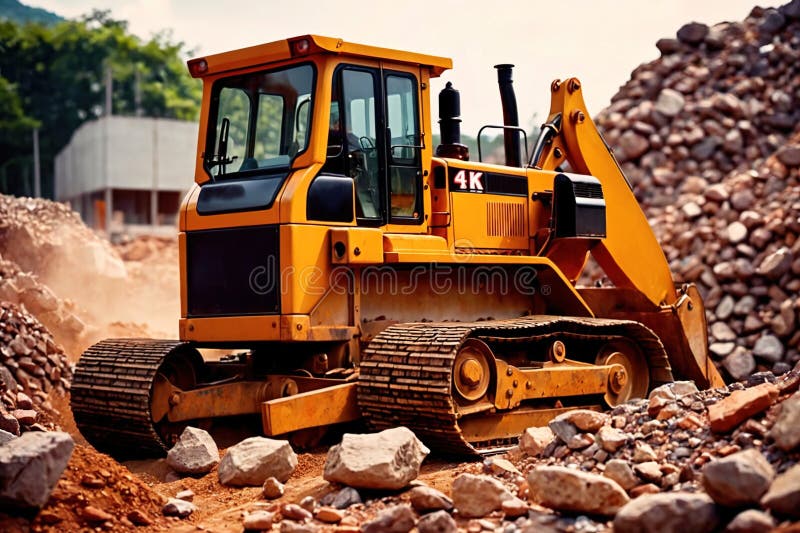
337 266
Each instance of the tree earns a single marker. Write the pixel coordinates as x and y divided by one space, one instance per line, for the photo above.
57 73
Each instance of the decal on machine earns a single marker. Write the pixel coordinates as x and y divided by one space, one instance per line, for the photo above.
477 181
468 180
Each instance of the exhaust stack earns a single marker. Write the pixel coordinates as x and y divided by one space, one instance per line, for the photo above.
510 115
450 125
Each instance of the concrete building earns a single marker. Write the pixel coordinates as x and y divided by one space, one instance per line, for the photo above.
128 174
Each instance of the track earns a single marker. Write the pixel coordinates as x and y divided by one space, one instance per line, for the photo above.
405 379
110 394
406 372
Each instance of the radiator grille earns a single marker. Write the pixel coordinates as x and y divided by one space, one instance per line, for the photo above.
505 219
588 190
233 271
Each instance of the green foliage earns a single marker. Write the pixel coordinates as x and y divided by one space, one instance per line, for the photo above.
18 12
59 76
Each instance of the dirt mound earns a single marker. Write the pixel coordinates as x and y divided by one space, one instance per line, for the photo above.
705 134
148 249
95 482
68 276
154 281
49 239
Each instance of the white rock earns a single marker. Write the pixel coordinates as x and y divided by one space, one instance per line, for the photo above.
533 441
194 453
179 508
691 210
643 452
568 489
673 390
621 472
30 466
425 499
670 102
737 232
739 479
476 496
5 437
669 512
258 520
387 460
255 459
272 488
611 439
187 495
649 471
769 347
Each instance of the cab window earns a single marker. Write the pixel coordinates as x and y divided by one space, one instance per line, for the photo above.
259 122
402 121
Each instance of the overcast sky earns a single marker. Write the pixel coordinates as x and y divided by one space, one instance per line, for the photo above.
599 41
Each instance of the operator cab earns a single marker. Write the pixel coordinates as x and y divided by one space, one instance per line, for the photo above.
265 123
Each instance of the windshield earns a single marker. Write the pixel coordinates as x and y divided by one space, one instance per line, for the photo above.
259 122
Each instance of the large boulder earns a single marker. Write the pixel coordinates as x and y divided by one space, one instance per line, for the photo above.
255 459
476 496
669 512
739 479
568 489
426 499
388 460
194 453
30 466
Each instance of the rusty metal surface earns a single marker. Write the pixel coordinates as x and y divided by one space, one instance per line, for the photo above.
322 407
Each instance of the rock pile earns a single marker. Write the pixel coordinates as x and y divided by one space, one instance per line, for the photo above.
49 238
32 366
658 464
97 492
59 316
146 248
389 459
71 276
708 135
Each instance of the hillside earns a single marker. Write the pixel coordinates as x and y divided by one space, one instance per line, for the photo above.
16 11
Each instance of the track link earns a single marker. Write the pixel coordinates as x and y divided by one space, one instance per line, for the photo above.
110 395
406 371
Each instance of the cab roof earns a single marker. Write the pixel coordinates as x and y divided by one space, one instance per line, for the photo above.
263 54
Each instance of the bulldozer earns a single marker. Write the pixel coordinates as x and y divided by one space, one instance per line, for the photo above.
336 266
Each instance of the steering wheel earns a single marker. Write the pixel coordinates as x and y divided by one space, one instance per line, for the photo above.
366 143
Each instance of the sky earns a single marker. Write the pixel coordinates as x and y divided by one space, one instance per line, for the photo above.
599 41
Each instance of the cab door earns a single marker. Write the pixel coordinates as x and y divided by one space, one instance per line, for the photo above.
404 151
374 138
